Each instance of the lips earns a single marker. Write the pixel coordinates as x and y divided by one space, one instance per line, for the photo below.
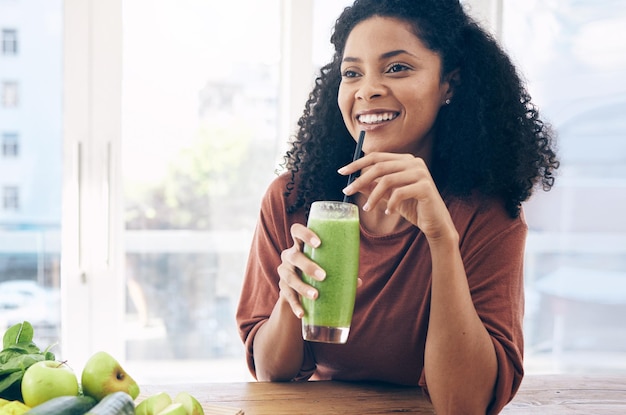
377 118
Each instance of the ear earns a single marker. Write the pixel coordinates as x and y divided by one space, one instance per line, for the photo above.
451 80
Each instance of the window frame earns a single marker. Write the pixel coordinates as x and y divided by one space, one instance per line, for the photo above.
92 310
10 94
10 145
11 198
9 42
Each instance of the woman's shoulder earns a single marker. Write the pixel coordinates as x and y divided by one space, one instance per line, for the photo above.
477 209
278 189
483 221
279 195
279 183
275 192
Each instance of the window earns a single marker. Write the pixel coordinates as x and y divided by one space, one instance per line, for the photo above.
572 53
9 94
11 198
209 115
31 167
9 41
10 145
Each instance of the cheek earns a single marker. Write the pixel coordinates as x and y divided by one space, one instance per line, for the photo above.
344 102
426 104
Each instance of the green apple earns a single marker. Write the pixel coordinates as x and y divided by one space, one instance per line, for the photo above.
153 405
48 379
191 404
103 375
176 408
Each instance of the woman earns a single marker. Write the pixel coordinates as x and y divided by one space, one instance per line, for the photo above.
453 146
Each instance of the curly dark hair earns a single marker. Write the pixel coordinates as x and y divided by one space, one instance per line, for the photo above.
489 139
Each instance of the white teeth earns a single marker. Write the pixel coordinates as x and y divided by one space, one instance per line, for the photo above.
376 118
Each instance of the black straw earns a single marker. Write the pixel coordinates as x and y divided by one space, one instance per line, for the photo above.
357 155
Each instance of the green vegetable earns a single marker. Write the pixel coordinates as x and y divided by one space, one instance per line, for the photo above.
116 403
18 354
64 405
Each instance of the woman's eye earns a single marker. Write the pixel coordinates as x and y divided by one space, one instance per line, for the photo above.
349 74
397 67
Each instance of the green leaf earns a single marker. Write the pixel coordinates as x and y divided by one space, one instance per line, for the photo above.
23 361
5 371
18 354
18 349
18 333
49 355
24 348
6 389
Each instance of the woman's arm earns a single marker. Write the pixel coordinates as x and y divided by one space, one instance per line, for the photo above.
460 360
278 346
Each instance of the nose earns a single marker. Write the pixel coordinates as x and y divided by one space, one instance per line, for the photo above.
370 88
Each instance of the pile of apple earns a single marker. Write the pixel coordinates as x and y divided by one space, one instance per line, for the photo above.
101 376
30 377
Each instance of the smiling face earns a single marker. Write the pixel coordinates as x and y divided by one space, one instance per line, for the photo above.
391 87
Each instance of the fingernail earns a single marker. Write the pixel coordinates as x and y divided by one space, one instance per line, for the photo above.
341 170
366 207
320 274
300 314
311 294
387 212
315 242
347 190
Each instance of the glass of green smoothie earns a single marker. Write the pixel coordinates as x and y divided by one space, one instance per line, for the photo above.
327 319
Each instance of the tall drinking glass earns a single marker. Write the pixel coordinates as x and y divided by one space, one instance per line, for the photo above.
327 319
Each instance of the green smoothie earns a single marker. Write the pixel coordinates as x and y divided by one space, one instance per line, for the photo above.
338 255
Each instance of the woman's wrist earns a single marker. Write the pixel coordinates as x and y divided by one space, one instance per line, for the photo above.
446 239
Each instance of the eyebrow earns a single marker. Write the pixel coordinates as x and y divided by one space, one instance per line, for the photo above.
385 55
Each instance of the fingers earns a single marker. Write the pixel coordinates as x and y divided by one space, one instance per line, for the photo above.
294 262
392 178
371 159
296 257
399 185
300 233
292 298
402 184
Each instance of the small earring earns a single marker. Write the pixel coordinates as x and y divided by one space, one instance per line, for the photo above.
447 101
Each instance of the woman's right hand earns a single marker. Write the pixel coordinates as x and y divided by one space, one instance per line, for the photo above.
294 263
278 349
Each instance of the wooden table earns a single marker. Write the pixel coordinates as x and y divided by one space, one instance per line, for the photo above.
570 394
549 394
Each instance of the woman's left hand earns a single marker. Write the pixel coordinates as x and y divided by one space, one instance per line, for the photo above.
405 184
